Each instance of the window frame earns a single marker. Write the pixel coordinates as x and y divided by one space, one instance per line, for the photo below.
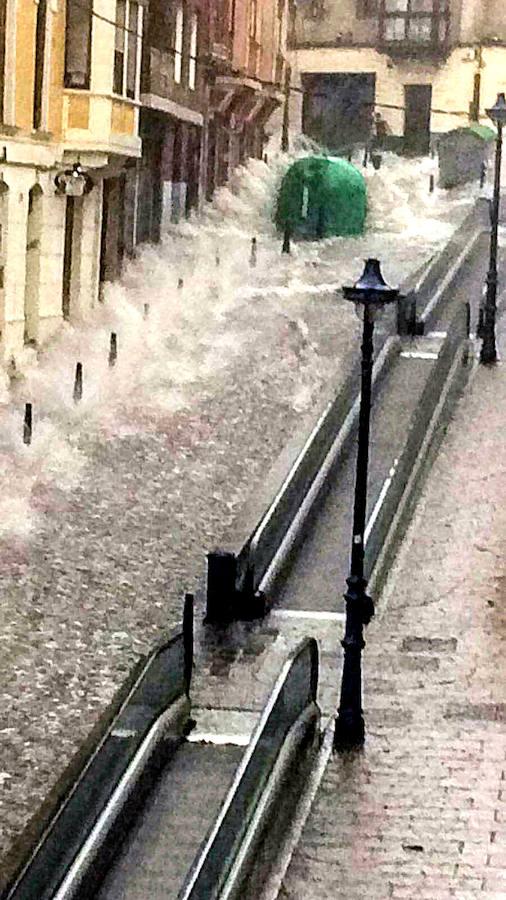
126 52
438 15
179 24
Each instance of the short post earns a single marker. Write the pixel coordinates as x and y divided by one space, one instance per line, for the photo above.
483 173
188 617
78 383
113 350
266 159
180 284
286 240
253 254
146 310
217 258
27 425
431 184
366 156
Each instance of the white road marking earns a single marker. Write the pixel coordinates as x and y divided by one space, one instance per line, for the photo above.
437 334
379 502
317 616
207 737
418 354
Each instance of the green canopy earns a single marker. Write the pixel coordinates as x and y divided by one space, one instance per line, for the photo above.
321 197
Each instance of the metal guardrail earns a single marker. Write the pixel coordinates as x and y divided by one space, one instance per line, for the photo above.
160 682
293 694
234 575
454 344
447 378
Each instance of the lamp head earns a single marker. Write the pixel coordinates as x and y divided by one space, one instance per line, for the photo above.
498 111
371 289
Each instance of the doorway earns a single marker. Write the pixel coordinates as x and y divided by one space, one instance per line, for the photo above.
337 108
417 107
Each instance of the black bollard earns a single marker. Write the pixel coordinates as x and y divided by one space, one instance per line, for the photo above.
188 616
78 383
366 156
27 424
217 258
253 255
113 349
286 241
266 159
146 310
483 173
180 284
431 184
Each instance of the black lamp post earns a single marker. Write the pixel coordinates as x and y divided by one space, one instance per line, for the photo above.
488 352
371 293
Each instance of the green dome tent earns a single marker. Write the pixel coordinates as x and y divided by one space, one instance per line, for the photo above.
321 197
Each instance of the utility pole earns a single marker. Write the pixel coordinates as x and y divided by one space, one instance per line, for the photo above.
285 141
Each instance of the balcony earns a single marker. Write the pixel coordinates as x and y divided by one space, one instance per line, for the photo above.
415 28
100 123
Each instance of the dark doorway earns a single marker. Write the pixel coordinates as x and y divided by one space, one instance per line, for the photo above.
337 108
417 104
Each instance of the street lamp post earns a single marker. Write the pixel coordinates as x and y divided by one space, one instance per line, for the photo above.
370 294
488 352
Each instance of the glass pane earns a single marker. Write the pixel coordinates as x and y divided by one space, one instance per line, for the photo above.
396 5
420 30
192 68
120 25
178 44
422 5
132 40
395 29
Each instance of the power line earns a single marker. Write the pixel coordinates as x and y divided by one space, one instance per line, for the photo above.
204 62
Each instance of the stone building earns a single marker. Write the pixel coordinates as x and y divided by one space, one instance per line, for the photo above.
247 52
426 65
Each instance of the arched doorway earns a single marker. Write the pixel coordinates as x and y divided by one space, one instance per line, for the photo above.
32 265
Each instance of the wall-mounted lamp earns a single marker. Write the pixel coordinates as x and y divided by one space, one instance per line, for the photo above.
74 182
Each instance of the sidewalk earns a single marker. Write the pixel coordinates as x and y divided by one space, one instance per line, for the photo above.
421 812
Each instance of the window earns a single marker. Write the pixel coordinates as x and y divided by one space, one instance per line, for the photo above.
253 20
192 65
421 22
178 44
126 48
40 56
78 44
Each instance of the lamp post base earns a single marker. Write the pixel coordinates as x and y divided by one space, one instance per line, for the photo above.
350 732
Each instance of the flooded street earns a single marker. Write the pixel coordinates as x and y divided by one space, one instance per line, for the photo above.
106 517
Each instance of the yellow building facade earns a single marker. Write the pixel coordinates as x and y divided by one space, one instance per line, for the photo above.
69 95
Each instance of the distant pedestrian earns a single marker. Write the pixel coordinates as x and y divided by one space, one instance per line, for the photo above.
380 130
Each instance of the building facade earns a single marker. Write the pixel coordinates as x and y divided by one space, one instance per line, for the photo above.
427 66
117 118
248 59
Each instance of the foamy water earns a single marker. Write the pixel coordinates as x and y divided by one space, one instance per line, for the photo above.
180 352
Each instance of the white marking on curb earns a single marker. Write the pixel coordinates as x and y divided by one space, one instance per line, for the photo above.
124 732
418 354
437 334
207 737
317 616
379 502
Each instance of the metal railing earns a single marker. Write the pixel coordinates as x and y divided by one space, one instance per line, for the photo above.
294 691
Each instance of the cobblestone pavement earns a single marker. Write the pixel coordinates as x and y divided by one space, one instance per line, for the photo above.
421 812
